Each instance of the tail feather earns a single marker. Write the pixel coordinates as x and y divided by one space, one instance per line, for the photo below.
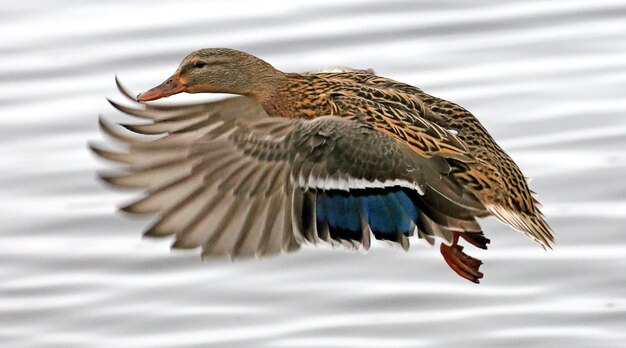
532 225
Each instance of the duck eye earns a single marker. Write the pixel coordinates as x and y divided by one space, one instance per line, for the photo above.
199 64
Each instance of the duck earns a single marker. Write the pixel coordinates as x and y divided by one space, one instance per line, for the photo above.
337 158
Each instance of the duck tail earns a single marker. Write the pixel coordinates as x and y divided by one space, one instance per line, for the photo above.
533 225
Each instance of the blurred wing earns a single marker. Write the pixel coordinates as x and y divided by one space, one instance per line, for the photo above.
225 177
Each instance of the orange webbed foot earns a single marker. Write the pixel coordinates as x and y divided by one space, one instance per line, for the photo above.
463 264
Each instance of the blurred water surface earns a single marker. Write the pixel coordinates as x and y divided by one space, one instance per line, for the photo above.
547 78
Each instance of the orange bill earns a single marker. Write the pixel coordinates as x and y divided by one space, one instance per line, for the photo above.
171 86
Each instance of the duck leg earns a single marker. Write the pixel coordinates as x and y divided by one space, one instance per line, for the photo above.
463 264
477 239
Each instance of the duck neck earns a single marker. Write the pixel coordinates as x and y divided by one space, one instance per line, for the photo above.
294 96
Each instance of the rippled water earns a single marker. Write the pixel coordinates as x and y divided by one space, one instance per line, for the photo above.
547 78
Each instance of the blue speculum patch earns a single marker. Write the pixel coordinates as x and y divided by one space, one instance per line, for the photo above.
388 212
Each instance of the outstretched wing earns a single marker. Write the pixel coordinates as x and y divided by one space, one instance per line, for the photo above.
225 177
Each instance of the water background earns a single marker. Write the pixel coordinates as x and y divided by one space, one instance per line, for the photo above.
547 78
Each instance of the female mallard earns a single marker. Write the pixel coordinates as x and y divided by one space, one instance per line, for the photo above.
353 154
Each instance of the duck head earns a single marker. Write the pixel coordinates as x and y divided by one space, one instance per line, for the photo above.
217 70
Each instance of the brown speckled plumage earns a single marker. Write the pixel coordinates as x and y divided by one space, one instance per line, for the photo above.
418 119
224 170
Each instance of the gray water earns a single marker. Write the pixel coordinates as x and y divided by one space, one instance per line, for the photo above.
547 78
